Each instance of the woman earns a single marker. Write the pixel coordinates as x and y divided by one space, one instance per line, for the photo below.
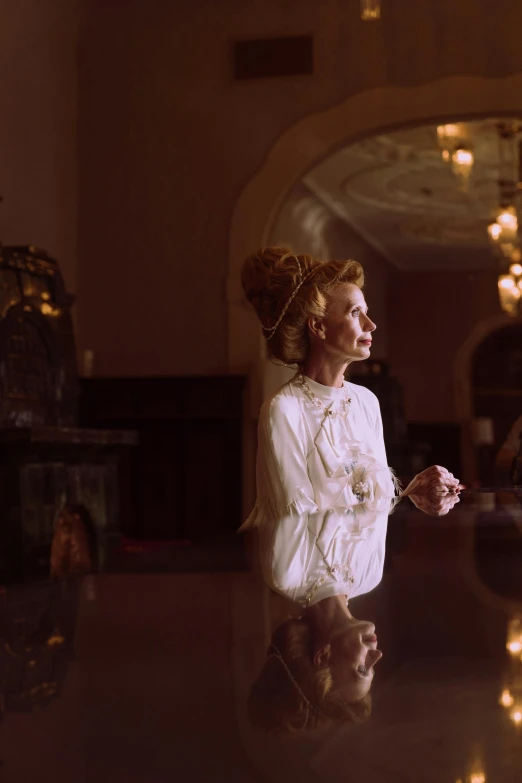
321 441
320 449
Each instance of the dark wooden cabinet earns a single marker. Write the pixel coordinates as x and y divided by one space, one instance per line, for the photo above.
186 474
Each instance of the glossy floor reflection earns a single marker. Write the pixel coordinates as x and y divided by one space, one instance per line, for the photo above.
143 678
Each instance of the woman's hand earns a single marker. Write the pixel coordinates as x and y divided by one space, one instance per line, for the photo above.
433 481
435 505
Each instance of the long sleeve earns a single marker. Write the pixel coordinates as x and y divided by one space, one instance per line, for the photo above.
283 483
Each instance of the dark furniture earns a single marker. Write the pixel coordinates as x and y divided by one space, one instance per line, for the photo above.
187 469
46 460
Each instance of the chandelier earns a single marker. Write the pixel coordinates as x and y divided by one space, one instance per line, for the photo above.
370 10
510 290
503 230
456 149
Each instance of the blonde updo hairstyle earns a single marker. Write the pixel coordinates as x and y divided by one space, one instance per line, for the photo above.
276 706
270 278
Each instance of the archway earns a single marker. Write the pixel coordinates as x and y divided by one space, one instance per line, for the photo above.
317 136
295 152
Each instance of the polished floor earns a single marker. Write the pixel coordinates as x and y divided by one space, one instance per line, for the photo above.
146 678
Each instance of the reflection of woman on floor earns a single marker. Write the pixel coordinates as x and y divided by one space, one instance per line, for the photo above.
320 665
320 449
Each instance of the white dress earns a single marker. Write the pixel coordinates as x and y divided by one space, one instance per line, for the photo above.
324 491
308 461
309 557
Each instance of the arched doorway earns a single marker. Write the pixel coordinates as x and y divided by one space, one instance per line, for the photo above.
295 152
317 136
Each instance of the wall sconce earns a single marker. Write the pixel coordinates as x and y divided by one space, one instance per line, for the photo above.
370 10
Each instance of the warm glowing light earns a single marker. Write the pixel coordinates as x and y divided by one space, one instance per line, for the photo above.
515 269
514 630
506 699
461 164
446 155
516 716
47 309
463 157
445 132
477 777
370 10
494 230
503 231
508 219
45 296
510 295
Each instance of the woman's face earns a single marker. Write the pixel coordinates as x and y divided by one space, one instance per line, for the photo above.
353 655
346 330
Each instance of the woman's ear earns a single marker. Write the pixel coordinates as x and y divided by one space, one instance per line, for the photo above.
322 656
317 327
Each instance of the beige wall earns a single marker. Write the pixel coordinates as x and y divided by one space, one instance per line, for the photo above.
150 142
38 96
168 141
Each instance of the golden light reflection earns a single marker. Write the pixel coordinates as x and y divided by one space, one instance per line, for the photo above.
516 716
515 269
477 777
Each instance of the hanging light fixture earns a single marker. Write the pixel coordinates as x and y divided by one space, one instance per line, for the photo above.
462 160
456 149
510 296
503 230
506 698
448 137
370 10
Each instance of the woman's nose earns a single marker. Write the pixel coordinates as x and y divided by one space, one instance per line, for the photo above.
371 327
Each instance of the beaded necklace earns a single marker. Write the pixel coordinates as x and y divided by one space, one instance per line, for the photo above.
314 399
